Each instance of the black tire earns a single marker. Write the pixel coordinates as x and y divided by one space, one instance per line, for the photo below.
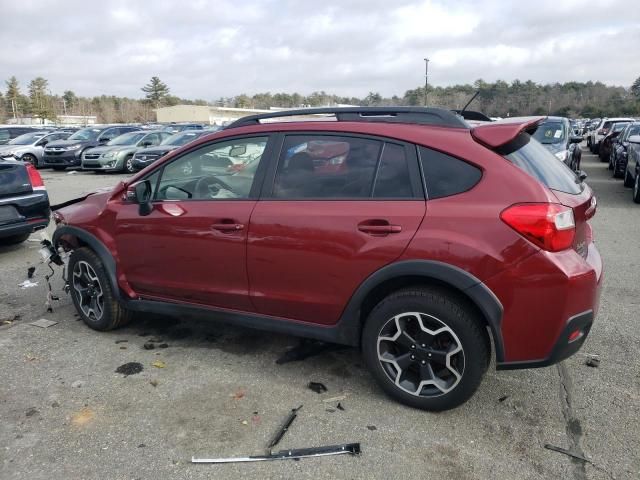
440 310
589 142
616 169
611 160
628 181
59 168
14 239
636 189
112 314
28 158
127 166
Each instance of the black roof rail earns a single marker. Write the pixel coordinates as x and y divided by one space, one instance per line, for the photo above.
419 115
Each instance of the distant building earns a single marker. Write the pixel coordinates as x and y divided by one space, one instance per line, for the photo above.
203 114
60 120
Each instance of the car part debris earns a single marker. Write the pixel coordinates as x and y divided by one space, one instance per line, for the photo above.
296 453
592 361
569 453
30 272
28 284
283 429
340 407
130 368
317 387
43 323
305 349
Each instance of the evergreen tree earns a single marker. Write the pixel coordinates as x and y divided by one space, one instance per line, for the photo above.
156 91
13 95
635 88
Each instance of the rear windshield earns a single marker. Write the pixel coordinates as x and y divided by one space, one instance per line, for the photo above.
538 162
549 132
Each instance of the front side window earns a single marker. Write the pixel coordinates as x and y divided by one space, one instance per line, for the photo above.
326 166
126 139
223 170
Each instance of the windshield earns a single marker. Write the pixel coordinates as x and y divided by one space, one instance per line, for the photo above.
538 162
85 134
180 138
127 139
633 130
549 132
27 139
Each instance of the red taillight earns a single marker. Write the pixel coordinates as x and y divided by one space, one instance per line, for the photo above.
548 225
34 176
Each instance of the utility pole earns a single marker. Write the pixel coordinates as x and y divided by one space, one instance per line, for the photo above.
426 79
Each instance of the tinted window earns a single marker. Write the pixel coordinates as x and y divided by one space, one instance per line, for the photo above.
85 134
538 162
393 179
323 166
218 171
4 136
446 175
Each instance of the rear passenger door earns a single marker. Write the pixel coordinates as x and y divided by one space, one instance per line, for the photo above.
335 208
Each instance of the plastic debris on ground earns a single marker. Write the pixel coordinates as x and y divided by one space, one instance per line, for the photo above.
28 284
317 387
43 323
592 361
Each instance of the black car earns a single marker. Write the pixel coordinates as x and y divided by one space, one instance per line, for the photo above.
632 171
24 203
619 147
147 156
557 136
606 144
9 133
68 153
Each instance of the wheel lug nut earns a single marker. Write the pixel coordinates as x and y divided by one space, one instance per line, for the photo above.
429 355
413 347
423 345
413 357
423 362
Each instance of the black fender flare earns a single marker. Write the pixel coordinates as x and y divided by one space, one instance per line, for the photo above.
479 294
97 246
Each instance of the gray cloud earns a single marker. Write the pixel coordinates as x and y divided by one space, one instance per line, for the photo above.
207 49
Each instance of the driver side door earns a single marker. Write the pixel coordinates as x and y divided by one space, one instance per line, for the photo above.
192 246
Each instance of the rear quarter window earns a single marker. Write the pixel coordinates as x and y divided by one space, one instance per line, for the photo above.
446 175
529 155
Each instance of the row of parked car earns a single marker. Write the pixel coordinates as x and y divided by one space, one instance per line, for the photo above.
109 148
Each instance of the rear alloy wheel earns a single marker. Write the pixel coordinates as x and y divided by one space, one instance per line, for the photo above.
128 165
425 349
636 189
91 292
28 158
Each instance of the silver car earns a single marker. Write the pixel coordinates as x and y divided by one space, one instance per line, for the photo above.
117 154
29 147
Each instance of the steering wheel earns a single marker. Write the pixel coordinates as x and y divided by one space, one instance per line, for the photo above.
203 187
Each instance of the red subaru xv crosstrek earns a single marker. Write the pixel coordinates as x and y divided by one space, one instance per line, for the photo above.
403 231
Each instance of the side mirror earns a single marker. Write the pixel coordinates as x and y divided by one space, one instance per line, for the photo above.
146 143
140 193
42 143
576 139
104 140
237 151
582 175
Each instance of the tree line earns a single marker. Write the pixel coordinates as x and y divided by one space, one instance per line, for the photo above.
500 98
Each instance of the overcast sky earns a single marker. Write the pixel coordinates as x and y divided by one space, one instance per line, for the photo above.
207 49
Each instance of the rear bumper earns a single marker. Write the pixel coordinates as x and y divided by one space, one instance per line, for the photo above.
546 298
564 346
30 213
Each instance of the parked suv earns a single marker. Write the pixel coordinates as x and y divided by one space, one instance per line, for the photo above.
602 130
399 230
68 153
557 136
146 156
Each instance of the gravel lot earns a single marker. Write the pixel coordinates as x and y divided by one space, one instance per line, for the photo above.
67 414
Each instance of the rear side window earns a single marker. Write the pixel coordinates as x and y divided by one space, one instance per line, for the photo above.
323 166
393 179
446 175
537 161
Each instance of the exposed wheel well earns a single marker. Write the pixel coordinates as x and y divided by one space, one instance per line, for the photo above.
377 294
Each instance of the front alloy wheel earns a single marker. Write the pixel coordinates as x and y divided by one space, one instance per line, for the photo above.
420 354
88 291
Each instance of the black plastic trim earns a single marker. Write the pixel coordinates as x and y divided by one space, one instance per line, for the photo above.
416 115
97 246
451 275
562 348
